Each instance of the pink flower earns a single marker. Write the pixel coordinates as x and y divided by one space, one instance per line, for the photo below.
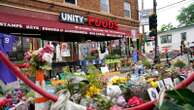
27 56
48 49
41 57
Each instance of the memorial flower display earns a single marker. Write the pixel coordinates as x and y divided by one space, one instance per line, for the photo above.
41 58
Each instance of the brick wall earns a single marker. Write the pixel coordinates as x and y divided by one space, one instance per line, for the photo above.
134 8
85 8
116 7
89 4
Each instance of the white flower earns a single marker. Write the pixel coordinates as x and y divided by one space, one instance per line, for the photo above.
47 57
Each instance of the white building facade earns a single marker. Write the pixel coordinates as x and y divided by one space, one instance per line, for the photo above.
172 39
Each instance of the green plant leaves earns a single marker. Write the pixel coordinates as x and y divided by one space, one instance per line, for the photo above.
169 105
147 63
182 96
186 16
179 64
103 103
181 99
188 107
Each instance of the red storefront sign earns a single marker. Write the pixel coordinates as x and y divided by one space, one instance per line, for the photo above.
105 23
24 22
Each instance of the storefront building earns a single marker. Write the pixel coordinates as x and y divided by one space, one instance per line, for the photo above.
69 21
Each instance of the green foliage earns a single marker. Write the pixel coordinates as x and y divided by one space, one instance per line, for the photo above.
166 27
182 96
103 103
1 91
112 56
146 63
179 64
66 69
94 76
158 66
92 69
30 94
178 100
61 87
73 87
169 105
125 90
90 57
186 16
188 107
94 79
36 64
69 86
116 51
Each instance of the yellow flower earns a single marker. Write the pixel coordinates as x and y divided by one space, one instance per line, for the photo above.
154 84
93 90
150 80
119 80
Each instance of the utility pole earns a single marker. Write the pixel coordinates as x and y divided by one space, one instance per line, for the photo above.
142 8
156 57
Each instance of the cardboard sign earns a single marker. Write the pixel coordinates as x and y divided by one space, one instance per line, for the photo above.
168 83
161 85
153 93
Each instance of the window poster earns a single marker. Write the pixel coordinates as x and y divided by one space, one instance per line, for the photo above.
65 50
83 50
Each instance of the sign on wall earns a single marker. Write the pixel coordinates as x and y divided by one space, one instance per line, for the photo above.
144 16
90 20
104 23
71 18
134 34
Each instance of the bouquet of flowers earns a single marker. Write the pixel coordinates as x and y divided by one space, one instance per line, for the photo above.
41 58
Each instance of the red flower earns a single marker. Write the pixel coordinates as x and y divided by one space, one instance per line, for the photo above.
135 101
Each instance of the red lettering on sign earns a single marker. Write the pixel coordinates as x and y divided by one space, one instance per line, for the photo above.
104 24
111 25
90 20
115 25
97 22
93 21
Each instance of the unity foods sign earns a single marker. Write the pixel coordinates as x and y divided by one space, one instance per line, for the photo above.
90 20
71 18
70 23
